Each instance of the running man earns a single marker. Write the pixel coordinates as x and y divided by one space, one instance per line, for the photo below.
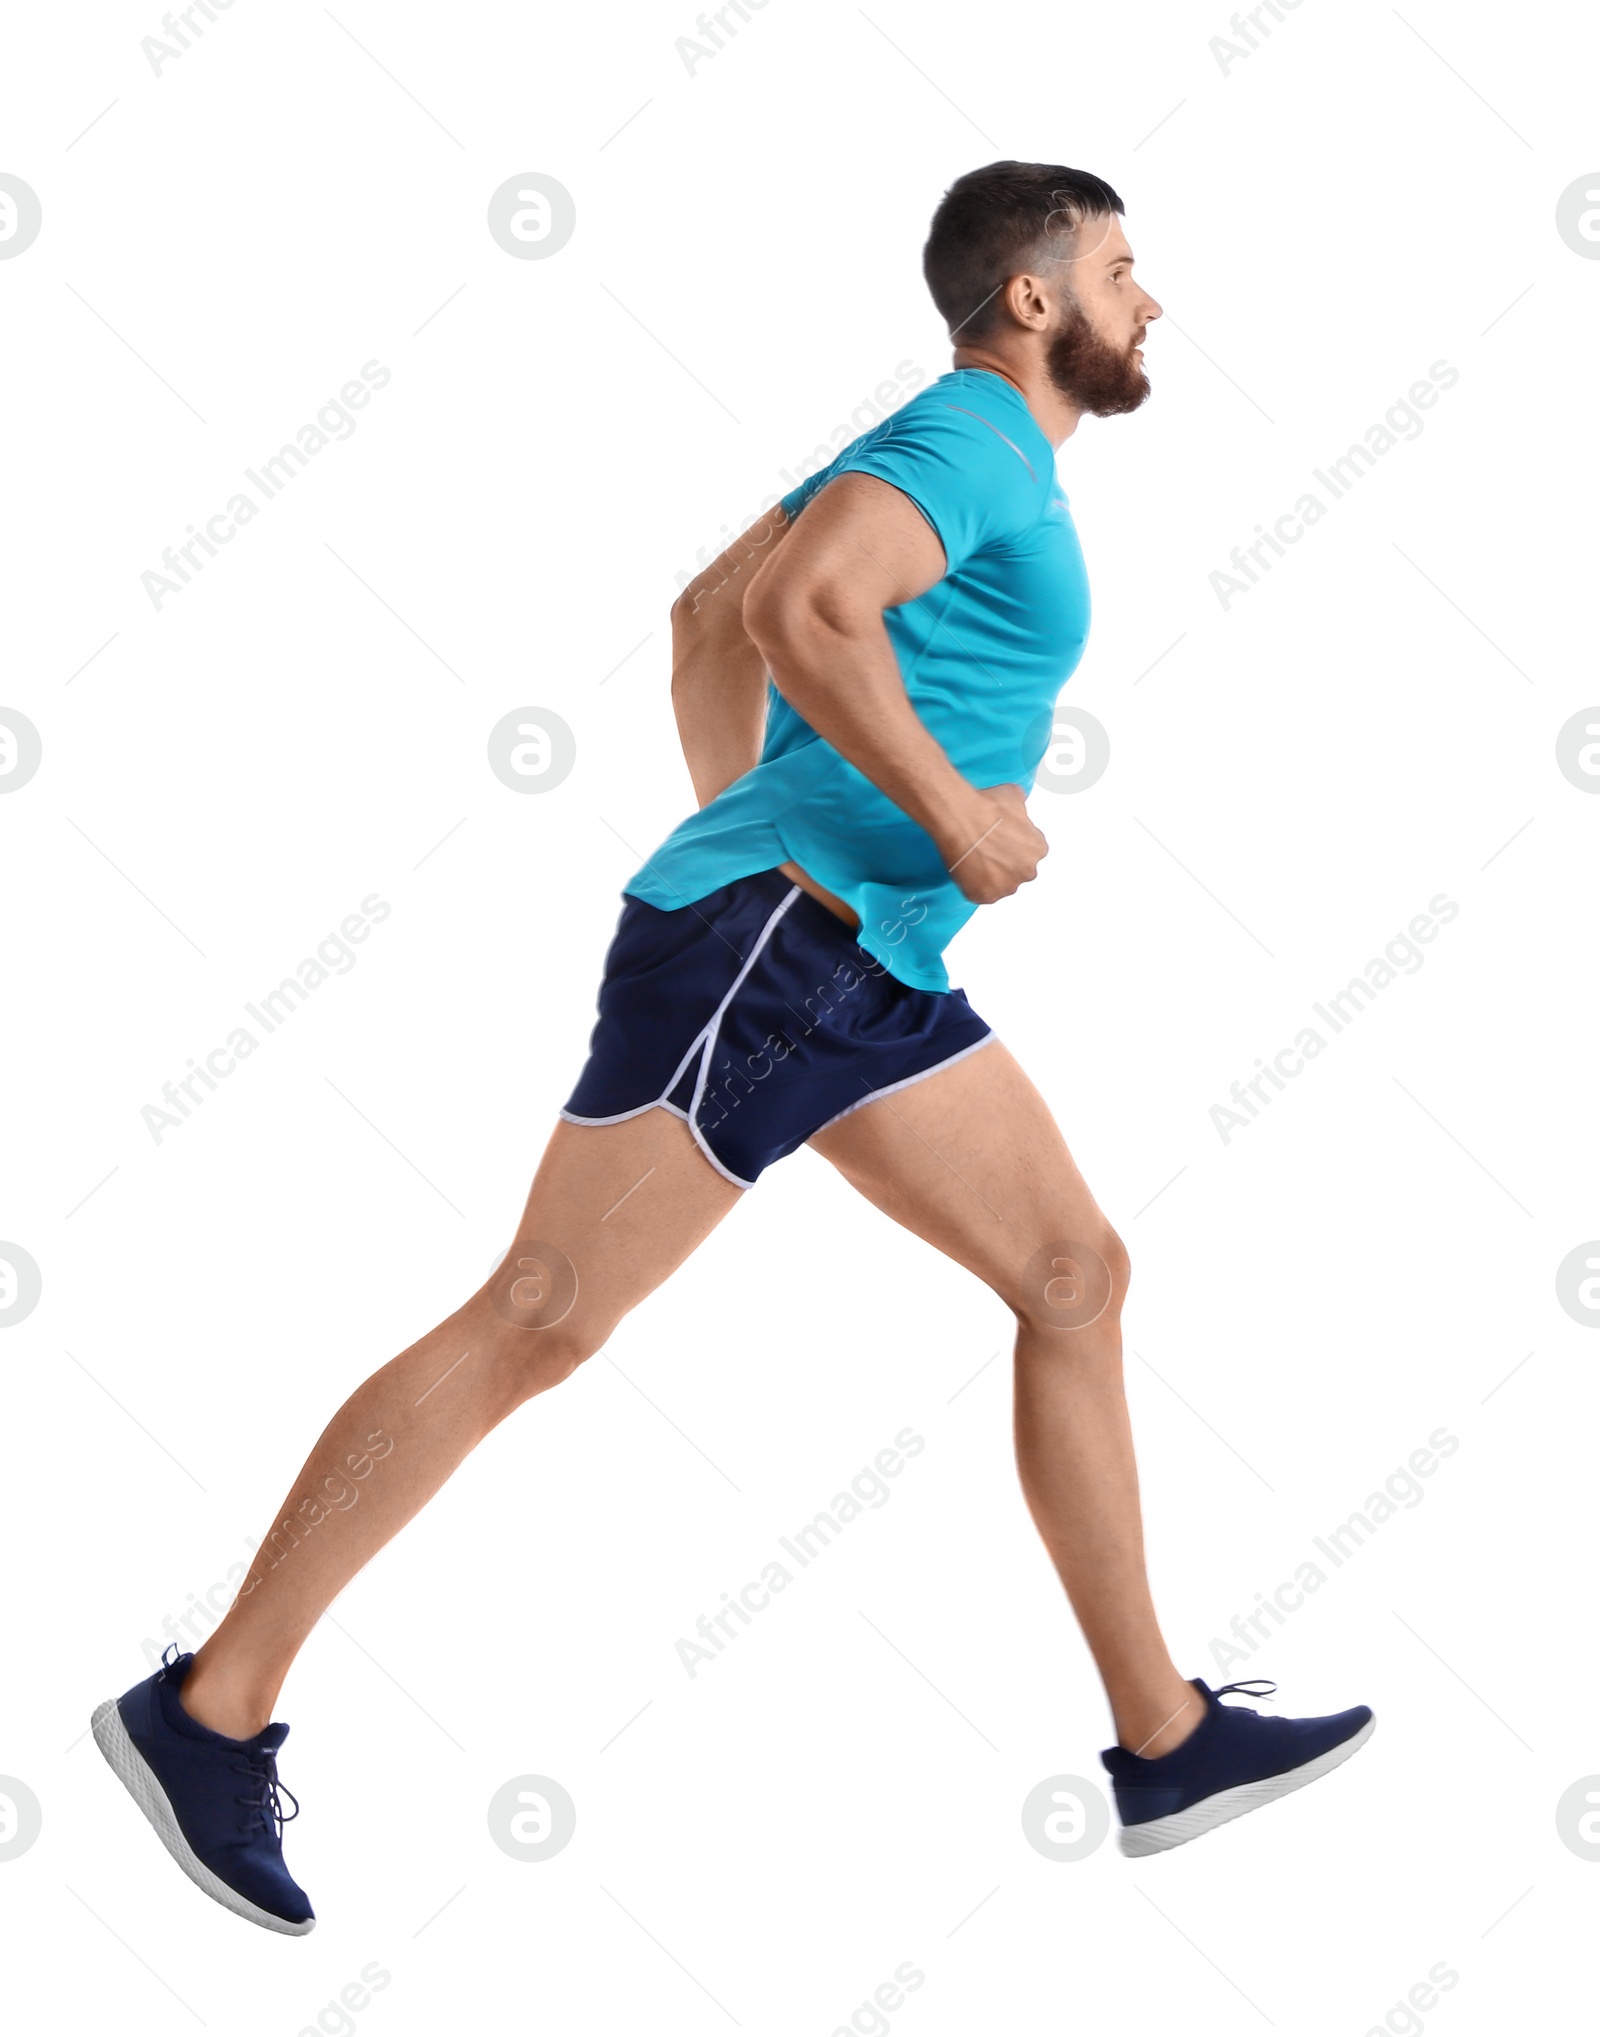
864 684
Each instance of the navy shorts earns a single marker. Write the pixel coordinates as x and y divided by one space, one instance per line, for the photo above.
756 1016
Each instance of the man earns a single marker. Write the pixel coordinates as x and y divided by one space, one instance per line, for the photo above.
864 686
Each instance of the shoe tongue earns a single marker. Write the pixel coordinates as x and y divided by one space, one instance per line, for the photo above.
270 1738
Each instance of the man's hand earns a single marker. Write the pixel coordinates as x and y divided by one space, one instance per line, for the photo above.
991 848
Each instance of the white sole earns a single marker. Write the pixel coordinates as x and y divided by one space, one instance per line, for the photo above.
139 1779
1161 1834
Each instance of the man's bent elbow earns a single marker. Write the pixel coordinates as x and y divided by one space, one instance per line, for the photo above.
705 604
803 624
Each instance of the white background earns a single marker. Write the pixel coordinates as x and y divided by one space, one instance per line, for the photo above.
226 778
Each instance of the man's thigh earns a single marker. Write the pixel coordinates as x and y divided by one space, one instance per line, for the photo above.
971 1160
616 1208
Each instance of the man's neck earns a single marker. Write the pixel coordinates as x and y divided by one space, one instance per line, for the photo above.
1055 414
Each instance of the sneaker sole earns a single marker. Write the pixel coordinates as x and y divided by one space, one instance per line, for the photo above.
1160 1835
139 1779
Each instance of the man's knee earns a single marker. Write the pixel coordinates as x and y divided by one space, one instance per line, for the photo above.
555 1352
1071 1282
558 1350
1115 1254
531 1360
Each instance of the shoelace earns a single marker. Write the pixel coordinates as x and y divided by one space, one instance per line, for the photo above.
265 1803
1248 1687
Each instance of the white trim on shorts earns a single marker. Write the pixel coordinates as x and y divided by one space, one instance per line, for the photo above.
906 1081
706 1040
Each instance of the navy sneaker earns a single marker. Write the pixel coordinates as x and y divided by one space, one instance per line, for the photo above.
215 1802
1234 1761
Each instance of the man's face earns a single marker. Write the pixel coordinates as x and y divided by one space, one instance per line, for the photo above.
1094 354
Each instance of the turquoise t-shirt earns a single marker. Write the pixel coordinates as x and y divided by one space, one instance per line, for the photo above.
983 655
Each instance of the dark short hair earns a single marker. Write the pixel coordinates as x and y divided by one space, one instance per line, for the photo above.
989 221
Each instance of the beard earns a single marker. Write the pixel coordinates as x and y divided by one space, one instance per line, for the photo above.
1102 379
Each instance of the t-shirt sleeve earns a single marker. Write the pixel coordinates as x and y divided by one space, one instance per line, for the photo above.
974 485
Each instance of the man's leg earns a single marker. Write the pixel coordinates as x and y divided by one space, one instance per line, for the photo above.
625 1204
970 1159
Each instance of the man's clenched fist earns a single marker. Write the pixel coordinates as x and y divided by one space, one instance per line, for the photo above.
992 847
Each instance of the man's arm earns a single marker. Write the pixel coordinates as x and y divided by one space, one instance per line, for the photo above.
719 678
814 613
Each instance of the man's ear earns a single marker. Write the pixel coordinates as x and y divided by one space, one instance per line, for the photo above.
1029 299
